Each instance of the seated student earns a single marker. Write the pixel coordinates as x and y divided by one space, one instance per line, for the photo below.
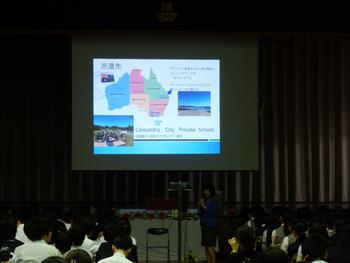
67 218
243 246
259 225
340 251
110 231
125 228
8 229
63 242
280 232
299 232
316 249
316 229
91 240
77 234
121 248
38 231
274 221
22 214
78 256
289 239
58 227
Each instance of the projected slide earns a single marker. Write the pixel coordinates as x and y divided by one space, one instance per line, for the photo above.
156 106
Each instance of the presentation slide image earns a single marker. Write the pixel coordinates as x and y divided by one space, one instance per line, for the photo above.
113 131
175 103
195 103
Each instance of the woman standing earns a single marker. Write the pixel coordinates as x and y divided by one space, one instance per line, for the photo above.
208 207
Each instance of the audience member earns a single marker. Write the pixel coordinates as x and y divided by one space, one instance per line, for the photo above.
316 229
63 242
316 249
39 233
22 214
110 231
299 230
91 240
58 227
113 228
8 229
77 234
121 248
125 228
340 252
243 246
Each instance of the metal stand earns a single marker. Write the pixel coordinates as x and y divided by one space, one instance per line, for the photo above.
179 187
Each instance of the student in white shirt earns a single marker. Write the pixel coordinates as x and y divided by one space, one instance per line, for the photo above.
91 240
39 233
121 248
22 214
77 234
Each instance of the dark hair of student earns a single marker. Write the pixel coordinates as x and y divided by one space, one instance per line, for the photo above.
124 226
54 259
57 228
246 237
317 228
110 231
36 228
122 241
77 234
273 255
78 256
316 247
8 228
63 242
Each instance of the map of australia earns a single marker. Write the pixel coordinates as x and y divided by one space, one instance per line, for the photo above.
147 94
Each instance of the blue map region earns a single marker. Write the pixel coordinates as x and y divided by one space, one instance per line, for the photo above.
118 94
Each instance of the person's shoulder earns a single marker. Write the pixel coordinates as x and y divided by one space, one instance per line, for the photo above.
107 259
127 260
104 260
52 249
19 248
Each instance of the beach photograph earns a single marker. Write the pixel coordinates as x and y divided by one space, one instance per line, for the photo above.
194 103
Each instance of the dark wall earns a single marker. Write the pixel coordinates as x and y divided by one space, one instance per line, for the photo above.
207 15
35 115
304 128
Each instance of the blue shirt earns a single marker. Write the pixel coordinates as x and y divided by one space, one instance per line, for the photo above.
208 216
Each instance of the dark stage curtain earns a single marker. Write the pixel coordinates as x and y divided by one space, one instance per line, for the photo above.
304 128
